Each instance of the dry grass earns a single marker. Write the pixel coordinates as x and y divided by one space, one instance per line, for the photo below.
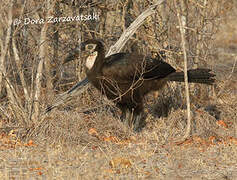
79 145
75 145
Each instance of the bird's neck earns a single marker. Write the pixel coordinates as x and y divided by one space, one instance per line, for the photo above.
96 70
99 61
94 62
90 61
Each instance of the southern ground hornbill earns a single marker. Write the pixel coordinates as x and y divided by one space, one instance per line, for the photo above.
126 78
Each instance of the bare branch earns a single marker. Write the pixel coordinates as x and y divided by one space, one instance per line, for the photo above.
4 47
127 34
15 101
233 68
19 68
42 58
183 41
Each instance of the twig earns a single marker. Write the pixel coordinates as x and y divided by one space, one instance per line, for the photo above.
4 46
127 34
233 68
183 41
42 56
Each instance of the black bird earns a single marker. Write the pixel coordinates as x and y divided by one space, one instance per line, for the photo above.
126 78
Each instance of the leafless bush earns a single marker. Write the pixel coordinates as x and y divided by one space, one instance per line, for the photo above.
31 68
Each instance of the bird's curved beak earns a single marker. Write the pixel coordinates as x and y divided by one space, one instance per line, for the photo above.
73 54
82 46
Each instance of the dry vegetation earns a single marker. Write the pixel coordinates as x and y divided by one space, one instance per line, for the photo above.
83 138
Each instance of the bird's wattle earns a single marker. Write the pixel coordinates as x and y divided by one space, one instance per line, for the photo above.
91 60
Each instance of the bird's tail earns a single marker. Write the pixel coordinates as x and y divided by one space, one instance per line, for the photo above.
202 76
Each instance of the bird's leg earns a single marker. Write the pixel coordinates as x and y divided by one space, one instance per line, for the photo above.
138 120
128 117
123 109
123 116
132 117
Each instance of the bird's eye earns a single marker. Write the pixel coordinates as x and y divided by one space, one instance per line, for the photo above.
90 46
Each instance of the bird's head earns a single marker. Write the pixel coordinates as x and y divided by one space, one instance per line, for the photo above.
92 48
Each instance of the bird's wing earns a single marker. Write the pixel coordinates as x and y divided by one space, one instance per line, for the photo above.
157 69
119 67
127 67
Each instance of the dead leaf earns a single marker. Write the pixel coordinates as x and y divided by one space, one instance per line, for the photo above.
120 162
212 139
233 140
222 124
185 142
94 147
111 139
92 131
109 171
30 143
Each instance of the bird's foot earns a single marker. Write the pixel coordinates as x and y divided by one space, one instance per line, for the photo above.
139 127
139 123
134 121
